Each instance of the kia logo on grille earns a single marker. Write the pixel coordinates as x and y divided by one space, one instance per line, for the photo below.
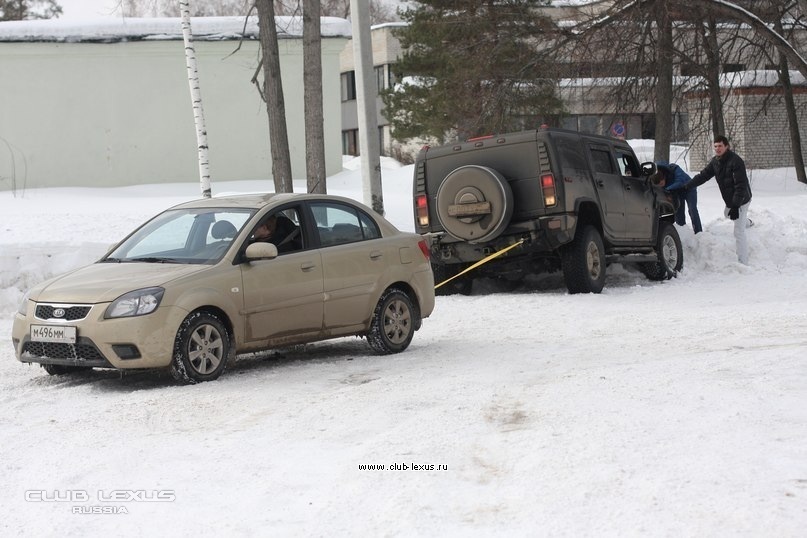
58 312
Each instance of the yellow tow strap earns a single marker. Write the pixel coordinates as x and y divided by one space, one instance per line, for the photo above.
480 262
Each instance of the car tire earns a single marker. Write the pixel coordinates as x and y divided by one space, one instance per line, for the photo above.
475 184
583 262
393 324
58 369
201 348
670 254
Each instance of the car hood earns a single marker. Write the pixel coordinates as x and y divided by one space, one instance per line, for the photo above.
104 282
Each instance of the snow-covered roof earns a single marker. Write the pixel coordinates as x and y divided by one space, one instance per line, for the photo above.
760 78
740 79
110 30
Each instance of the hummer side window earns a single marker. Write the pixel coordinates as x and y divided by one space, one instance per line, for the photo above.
627 164
601 159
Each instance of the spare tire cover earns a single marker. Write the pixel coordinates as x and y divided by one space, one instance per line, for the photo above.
474 184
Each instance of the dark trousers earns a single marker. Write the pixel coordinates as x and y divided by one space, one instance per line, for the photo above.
690 196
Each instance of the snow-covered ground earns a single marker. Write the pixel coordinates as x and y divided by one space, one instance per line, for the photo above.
652 409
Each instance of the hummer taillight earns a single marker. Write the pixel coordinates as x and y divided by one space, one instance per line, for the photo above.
548 190
422 209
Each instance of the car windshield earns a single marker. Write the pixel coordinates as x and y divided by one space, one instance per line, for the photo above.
183 236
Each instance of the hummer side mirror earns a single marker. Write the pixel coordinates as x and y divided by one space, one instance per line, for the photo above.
648 168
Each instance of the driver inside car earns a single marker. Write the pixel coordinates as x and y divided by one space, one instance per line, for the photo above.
279 230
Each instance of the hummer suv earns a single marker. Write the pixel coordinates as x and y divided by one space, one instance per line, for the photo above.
552 199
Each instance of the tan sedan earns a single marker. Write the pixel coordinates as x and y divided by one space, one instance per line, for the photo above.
212 278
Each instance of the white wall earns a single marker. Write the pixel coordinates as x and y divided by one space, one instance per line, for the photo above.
104 114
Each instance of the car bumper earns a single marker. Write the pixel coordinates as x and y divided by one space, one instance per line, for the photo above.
123 343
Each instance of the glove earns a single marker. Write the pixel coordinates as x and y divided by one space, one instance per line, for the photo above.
734 213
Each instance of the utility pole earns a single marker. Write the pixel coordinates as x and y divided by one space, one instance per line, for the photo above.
366 95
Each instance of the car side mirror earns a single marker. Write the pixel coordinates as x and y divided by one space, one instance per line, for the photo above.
260 251
648 168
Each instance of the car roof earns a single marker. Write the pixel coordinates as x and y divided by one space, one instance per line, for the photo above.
259 200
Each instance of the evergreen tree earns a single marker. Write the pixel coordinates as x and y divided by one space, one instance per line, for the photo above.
20 10
472 67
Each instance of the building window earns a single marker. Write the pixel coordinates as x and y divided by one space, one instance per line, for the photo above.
350 142
589 124
733 68
381 146
380 80
348 86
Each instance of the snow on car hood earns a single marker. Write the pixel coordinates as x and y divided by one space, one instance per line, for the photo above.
104 282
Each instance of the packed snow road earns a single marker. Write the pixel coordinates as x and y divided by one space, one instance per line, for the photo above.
660 409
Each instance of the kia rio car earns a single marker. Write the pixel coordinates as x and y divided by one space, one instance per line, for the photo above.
209 279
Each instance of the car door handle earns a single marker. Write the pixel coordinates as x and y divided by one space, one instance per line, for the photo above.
307 266
376 254
627 186
601 183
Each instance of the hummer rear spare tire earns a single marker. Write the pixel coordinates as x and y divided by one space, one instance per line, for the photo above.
474 203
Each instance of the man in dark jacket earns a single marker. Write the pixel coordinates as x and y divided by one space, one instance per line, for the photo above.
728 169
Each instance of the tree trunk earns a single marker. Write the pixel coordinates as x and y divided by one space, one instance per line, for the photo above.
196 100
712 50
664 84
312 82
790 107
273 96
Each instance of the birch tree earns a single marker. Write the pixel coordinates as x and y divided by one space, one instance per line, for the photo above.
196 100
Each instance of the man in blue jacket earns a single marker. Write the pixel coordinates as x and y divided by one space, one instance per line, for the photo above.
728 169
675 180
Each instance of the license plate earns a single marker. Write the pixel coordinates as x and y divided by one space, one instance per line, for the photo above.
52 333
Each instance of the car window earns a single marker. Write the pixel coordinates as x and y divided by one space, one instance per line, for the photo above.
570 154
282 228
601 161
628 166
338 224
183 236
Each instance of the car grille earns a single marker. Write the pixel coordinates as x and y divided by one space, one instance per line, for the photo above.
71 312
83 352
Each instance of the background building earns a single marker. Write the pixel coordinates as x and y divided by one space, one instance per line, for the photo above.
754 111
108 103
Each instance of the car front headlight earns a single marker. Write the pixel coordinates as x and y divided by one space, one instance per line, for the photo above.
23 309
135 303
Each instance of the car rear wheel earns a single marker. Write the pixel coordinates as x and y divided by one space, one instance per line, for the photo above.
584 262
670 255
394 322
201 348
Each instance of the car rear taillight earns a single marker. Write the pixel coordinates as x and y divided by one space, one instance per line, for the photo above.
548 190
422 209
424 248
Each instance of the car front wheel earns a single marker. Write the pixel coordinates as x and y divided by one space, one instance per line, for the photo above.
670 255
393 324
201 348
